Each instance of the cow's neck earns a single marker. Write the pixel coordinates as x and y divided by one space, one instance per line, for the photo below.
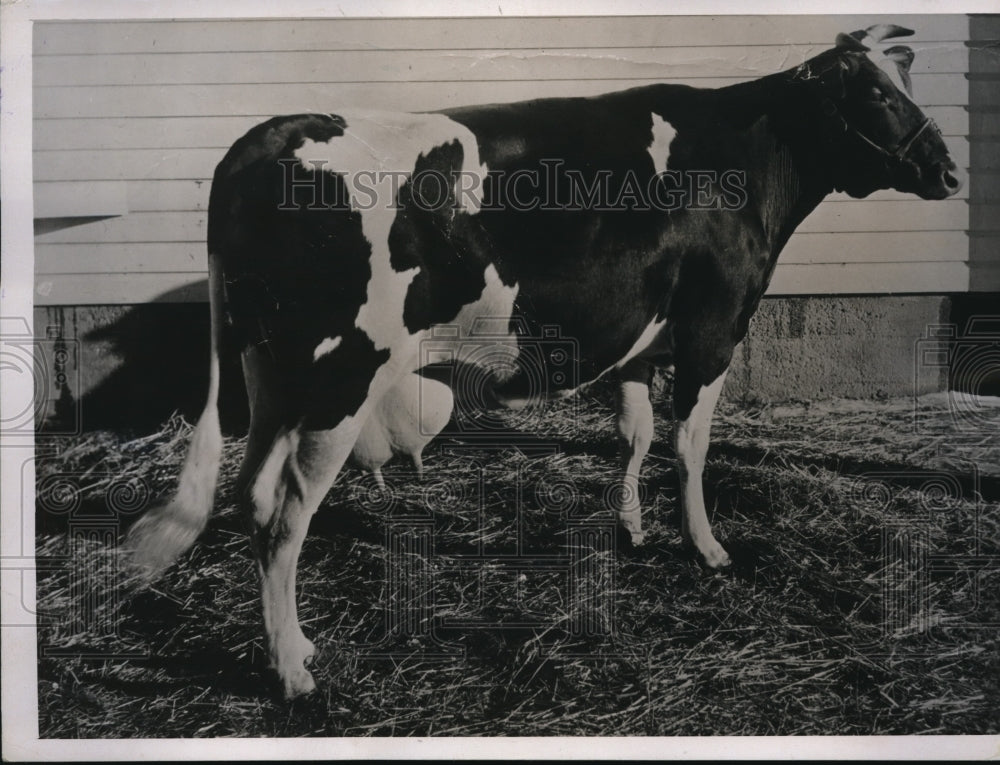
787 175
783 191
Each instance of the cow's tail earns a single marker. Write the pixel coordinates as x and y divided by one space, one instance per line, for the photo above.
168 530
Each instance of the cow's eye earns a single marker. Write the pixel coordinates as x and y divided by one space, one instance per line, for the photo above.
878 95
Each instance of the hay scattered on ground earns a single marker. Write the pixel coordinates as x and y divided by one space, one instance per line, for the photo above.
949 432
865 582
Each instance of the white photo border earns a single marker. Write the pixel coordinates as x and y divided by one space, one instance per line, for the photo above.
19 652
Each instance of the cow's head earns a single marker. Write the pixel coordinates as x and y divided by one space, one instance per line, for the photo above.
878 136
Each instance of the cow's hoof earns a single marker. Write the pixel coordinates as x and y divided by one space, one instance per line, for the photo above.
630 525
291 666
716 557
298 683
711 552
307 650
630 536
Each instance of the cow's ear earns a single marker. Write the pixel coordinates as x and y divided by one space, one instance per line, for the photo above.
879 32
851 41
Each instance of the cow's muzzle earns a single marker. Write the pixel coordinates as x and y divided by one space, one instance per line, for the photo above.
945 180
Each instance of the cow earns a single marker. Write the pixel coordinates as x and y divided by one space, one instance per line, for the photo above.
643 224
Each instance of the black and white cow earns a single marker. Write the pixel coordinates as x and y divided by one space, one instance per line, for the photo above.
643 224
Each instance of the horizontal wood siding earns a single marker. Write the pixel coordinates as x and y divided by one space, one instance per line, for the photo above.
219 132
984 139
143 111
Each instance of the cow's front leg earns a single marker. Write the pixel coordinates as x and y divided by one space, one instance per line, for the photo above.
635 434
693 408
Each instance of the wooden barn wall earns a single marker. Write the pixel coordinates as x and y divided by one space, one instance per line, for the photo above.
132 117
984 145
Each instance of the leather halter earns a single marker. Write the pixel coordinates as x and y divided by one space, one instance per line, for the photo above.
896 156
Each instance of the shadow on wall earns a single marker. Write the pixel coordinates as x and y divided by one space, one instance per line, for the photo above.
158 355
140 364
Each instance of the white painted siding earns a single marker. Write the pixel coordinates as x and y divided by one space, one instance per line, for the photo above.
143 111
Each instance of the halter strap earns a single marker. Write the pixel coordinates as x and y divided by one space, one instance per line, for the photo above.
904 146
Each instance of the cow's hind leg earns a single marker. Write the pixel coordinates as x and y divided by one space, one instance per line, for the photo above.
266 414
302 464
292 481
258 486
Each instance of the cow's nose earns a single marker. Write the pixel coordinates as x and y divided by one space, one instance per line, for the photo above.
952 179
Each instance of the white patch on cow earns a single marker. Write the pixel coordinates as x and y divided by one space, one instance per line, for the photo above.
326 346
377 155
644 341
891 69
659 148
489 315
480 332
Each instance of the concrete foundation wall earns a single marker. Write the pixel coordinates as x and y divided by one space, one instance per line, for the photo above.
813 348
132 366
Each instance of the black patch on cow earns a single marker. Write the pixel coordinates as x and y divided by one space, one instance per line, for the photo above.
336 385
270 139
432 233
